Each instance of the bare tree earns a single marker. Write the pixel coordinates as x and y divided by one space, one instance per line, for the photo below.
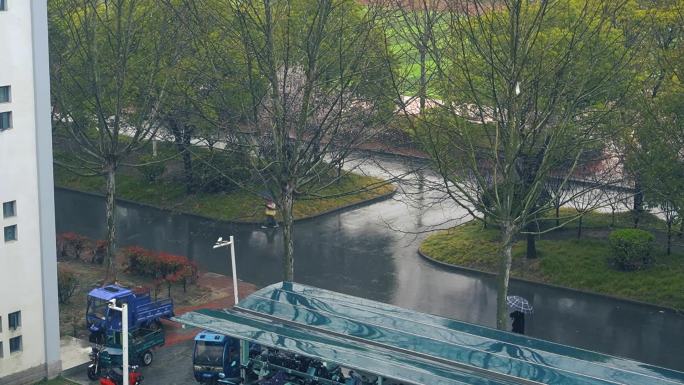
585 203
315 73
106 58
413 25
525 88
560 196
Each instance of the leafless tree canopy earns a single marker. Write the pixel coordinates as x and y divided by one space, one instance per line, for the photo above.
524 90
316 76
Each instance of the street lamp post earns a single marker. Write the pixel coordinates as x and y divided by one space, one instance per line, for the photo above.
124 336
221 243
244 352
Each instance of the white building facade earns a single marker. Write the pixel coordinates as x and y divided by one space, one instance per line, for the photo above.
29 319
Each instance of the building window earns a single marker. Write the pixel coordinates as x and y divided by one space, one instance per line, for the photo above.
14 320
5 93
15 344
10 233
5 120
3 5
1 350
9 209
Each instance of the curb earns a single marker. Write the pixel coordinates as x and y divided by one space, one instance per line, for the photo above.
351 206
234 222
551 285
71 374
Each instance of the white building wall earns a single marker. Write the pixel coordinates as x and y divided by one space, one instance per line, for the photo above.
28 278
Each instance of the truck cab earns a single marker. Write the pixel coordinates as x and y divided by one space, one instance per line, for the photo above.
98 317
215 357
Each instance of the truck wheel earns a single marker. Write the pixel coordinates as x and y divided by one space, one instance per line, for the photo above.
93 374
155 325
147 358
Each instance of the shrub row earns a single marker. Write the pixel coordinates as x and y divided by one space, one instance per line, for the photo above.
631 249
73 246
162 267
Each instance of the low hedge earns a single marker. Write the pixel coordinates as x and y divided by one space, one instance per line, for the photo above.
152 168
631 249
162 267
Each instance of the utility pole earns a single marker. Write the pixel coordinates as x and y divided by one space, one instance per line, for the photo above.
244 347
124 335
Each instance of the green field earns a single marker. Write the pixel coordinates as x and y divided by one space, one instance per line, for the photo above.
239 205
567 261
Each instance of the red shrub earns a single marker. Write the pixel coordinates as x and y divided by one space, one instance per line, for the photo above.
163 267
141 261
99 251
70 245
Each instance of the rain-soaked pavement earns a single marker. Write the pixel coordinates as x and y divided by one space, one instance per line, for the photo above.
359 252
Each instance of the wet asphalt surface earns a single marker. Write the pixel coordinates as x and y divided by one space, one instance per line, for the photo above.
172 365
371 252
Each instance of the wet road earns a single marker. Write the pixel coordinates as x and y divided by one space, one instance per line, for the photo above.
359 252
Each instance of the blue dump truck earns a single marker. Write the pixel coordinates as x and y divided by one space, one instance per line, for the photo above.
216 360
142 311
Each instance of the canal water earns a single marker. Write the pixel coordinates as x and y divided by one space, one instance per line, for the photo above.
371 251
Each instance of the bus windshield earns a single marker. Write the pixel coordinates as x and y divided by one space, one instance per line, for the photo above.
208 353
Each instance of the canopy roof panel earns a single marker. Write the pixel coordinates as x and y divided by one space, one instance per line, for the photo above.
410 346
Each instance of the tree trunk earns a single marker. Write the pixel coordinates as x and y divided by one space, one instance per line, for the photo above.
187 166
579 227
669 237
110 214
557 215
422 91
507 234
181 138
638 201
531 241
288 232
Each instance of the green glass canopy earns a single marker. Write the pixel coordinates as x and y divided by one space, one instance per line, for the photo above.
412 347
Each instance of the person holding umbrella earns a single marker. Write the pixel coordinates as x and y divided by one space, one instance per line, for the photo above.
519 306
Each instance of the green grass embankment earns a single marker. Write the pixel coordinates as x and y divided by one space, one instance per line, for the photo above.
238 205
567 261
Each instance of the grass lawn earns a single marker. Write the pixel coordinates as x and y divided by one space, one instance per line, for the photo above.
594 219
579 264
240 205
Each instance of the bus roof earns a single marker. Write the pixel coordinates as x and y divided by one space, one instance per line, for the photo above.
412 347
208 336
